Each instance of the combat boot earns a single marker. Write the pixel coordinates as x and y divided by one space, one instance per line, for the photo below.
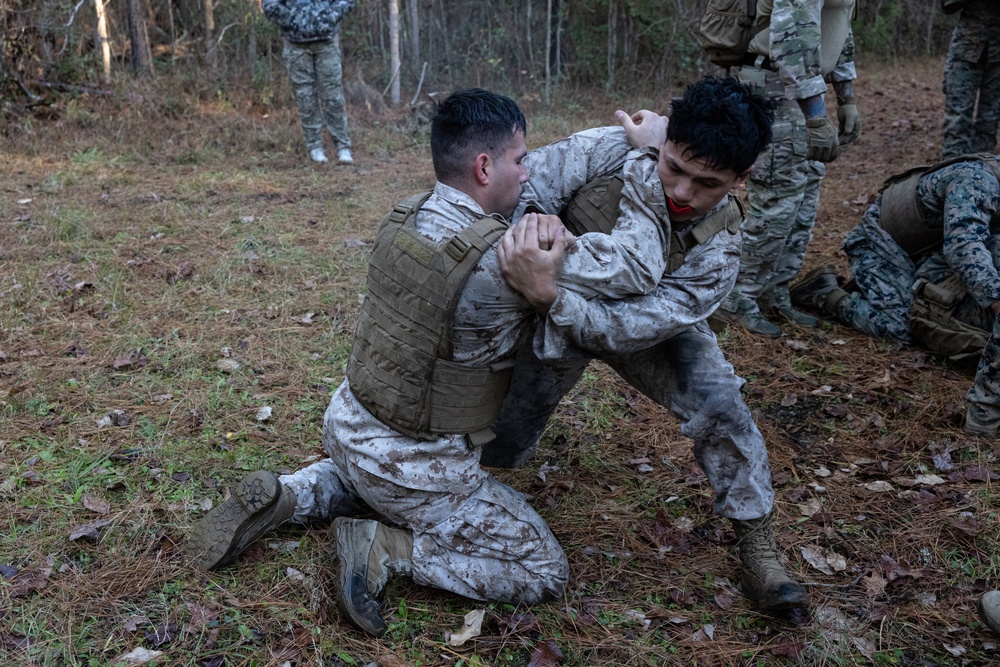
989 610
781 305
765 581
258 505
818 290
972 425
367 552
753 321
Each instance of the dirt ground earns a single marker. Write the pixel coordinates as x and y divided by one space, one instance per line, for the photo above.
170 263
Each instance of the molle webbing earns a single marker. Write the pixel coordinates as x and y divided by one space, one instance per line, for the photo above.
902 215
400 367
594 208
933 323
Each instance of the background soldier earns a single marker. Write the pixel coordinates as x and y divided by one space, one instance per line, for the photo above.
312 55
972 71
924 261
797 45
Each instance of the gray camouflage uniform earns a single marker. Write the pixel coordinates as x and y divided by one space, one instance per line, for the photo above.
972 71
659 343
962 197
309 29
783 189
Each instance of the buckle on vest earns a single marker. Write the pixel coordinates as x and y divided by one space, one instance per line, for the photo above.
457 248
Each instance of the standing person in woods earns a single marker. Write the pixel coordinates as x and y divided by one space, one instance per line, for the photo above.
795 47
310 31
972 78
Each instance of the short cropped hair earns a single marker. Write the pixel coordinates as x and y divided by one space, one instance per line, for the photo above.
720 121
469 122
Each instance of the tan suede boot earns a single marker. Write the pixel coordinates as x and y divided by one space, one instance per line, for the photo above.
765 581
257 506
367 552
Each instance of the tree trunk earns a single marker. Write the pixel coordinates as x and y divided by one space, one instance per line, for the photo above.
102 38
414 31
141 62
394 61
210 55
548 51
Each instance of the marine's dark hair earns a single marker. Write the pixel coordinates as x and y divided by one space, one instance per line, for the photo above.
469 122
720 121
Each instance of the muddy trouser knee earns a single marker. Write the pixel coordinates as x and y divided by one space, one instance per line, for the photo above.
535 391
472 534
689 376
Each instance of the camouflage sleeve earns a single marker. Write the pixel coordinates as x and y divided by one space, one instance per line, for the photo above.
795 40
632 258
576 327
563 167
969 203
845 70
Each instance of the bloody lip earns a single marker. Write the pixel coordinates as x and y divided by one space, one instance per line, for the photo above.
674 208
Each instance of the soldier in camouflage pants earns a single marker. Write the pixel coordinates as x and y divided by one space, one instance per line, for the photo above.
790 62
310 31
971 73
960 199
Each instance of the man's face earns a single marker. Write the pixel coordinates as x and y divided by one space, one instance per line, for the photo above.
691 187
507 177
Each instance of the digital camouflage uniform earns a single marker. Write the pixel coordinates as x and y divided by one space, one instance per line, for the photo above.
971 72
783 189
962 197
660 344
309 30
472 534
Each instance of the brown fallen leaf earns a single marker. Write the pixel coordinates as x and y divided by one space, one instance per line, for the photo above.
88 530
546 654
28 581
94 504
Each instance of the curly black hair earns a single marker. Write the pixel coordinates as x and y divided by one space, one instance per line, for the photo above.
722 122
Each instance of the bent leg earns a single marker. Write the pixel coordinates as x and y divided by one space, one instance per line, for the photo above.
689 376
535 391
884 274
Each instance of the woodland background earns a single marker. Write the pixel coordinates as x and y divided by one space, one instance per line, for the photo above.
395 50
179 285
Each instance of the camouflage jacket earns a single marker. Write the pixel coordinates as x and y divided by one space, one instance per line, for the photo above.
579 326
959 199
303 21
793 45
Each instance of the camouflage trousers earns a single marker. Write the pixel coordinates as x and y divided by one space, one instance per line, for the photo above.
885 275
783 196
971 102
472 534
690 377
314 69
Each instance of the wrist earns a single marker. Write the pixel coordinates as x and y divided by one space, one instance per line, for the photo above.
813 107
845 100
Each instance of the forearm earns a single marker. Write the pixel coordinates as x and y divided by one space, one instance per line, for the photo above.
603 326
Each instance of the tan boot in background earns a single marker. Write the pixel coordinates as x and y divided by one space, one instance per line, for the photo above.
258 505
367 552
765 580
